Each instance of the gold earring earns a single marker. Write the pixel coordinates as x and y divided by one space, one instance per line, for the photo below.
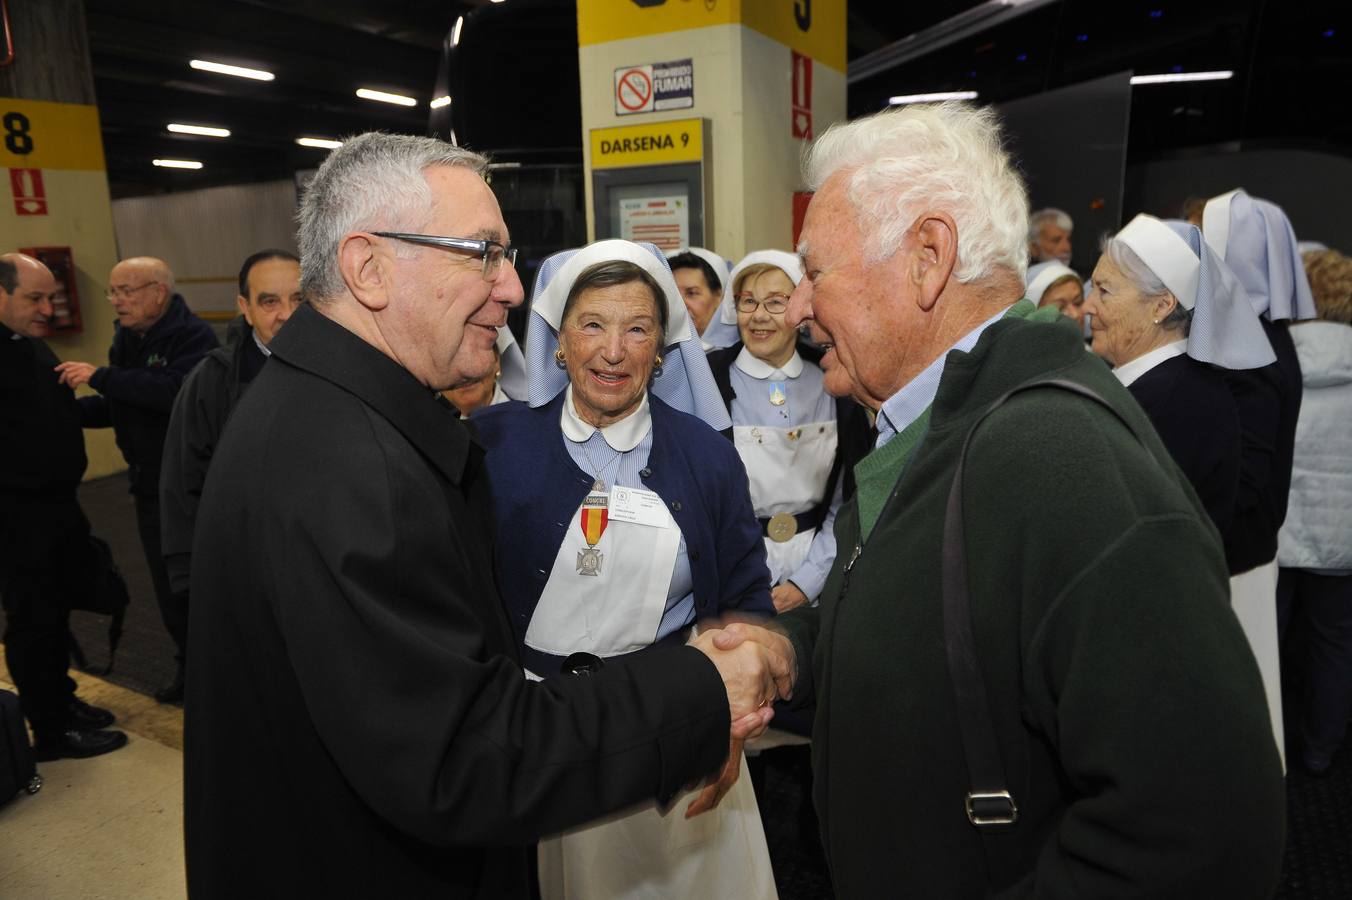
657 362
558 355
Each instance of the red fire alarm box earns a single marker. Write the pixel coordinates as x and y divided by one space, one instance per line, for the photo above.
66 307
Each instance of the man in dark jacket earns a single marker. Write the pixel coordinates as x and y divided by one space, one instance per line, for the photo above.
44 536
1000 711
157 341
269 292
357 720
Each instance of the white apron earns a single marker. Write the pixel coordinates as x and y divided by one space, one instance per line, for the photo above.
1253 596
639 854
788 469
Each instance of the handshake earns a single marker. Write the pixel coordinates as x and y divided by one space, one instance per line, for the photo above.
757 665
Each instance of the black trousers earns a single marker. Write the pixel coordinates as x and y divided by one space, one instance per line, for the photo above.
43 551
173 608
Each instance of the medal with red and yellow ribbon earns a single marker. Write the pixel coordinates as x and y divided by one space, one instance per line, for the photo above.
593 519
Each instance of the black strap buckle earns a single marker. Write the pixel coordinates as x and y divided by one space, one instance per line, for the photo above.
985 808
581 663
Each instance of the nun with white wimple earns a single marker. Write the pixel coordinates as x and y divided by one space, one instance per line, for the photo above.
701 276
798 443
1057 284
1170 318
629 521
1176 325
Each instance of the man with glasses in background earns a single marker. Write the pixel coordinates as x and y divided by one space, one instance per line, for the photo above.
156 342
357 721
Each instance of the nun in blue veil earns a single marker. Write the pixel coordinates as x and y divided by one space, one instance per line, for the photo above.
1257 242
624 519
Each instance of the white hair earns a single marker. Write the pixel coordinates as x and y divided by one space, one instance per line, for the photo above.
373 182
947 156
1050 215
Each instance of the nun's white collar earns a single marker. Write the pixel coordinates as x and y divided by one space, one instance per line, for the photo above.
623 435
761 370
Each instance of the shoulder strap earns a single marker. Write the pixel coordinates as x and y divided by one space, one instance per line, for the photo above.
990 806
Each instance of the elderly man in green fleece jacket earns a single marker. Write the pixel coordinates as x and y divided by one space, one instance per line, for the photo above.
1125 711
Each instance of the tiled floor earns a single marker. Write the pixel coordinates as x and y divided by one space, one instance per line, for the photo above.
109 827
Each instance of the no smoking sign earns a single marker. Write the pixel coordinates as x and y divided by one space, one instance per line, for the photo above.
654 87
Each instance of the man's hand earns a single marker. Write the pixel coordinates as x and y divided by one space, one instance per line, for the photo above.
786 596
738 634
715 791
73 374
753 672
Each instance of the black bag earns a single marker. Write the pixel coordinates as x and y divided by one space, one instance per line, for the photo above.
101 589
17 770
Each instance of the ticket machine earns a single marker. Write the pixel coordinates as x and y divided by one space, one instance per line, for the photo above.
652 182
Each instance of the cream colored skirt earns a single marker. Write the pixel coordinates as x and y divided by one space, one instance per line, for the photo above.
642 854
1253 596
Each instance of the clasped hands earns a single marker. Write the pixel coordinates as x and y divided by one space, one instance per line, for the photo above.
757 665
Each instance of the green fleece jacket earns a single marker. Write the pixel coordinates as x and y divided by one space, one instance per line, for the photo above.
1128 707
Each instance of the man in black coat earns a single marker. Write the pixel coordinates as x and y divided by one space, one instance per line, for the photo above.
44 536
357 722
269 292
157 341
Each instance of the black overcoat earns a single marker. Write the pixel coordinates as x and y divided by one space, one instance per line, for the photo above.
357 724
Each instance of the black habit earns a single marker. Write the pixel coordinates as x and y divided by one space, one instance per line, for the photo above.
1193 412
1268 400
357 722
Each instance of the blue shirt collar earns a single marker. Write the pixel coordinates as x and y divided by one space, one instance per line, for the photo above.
906 405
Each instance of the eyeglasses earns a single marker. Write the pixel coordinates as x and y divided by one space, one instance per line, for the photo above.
121 290
775 304
491 252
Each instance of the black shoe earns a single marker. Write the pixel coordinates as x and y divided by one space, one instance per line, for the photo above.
79 743
173 691
81 716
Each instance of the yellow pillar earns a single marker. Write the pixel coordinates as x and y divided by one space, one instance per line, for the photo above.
751 80
53 183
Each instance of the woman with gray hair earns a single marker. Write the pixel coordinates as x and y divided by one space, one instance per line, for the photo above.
1166 330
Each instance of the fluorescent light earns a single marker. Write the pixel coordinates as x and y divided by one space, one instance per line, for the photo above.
440 102
177 163
203 130
238 71
1168 77
932 98
383 97
319 143
455 35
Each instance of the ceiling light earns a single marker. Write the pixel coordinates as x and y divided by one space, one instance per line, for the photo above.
177 163
319 143
203 130
455 35
1169 77
440 102
384 97
238 71
932 98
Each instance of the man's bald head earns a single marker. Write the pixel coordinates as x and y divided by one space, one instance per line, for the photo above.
27 291
139 290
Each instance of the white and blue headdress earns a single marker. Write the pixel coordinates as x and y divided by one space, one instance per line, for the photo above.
1044 275
788 263
1225 330
1256 240
511 365
685 383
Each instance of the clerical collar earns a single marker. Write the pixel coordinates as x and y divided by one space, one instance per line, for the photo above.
261 346
623 435
762 370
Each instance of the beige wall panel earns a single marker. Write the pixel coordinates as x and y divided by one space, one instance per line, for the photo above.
206 234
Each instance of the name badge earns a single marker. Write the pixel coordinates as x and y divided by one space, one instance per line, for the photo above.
638 507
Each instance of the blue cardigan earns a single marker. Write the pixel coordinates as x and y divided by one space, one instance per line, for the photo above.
537 489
